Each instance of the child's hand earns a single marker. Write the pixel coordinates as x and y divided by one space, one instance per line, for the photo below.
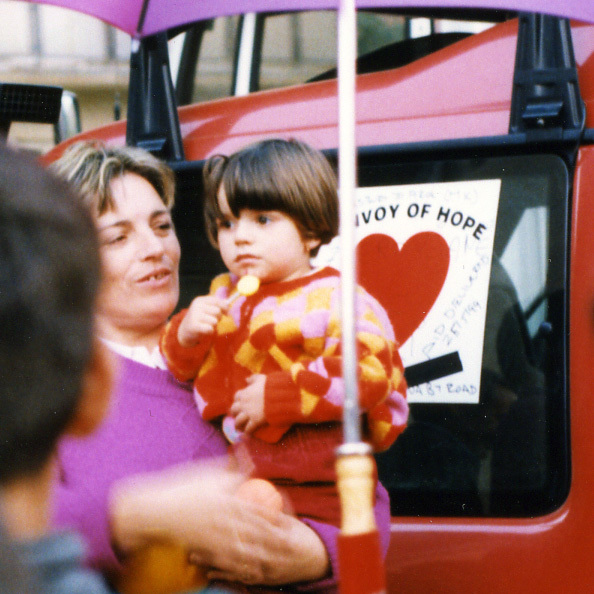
201 319
248 404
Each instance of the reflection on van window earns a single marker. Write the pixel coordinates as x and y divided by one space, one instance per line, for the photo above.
293 50
525 261
299 46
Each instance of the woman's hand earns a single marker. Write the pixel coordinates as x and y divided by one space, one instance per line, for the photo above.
196 506
275 553
248 404
201 320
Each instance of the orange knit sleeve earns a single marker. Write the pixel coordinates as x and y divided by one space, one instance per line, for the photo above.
184 363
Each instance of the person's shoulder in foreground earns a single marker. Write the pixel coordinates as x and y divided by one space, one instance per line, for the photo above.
56 377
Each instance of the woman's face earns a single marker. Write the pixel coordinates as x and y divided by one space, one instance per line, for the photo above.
140 255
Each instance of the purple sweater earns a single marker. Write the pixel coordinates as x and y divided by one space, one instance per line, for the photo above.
153 424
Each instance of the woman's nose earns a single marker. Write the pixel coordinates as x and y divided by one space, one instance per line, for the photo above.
150 245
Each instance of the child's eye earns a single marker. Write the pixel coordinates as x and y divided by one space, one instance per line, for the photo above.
165 226
223 223
263 219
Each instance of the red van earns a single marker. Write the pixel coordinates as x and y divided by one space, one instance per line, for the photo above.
475 211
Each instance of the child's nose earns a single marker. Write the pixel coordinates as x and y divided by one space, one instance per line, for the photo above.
243 231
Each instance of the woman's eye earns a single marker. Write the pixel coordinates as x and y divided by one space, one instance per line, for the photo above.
116 239
167 226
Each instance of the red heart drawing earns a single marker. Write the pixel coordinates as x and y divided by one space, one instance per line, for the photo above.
406 282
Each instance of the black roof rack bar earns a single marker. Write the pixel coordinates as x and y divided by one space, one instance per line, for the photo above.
153 123
478 147
546 101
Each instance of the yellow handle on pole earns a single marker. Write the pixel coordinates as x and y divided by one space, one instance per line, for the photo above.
356 484
361 567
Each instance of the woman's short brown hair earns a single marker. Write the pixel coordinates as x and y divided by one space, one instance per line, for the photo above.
284 175
90 166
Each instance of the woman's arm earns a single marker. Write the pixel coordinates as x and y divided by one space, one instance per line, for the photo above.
196 507
82 509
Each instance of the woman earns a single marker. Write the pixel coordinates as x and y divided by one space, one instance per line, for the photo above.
154 423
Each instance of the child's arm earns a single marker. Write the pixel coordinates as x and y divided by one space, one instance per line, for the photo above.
201 320
188 335
314 392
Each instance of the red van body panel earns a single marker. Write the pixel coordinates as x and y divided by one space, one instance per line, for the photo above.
447 95
547 554
430 99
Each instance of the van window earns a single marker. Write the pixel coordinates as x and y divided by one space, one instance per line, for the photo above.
468 256
297 47
211 60
469 259
301 46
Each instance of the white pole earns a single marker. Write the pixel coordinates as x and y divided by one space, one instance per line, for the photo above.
347 167
359 541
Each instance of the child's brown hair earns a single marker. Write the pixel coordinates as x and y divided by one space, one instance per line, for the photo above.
284 175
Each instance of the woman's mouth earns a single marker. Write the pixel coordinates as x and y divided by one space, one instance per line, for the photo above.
156 276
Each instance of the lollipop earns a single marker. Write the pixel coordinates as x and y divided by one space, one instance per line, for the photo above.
248 285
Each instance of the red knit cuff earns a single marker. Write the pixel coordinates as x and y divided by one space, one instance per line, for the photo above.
282 399
183 362
384 428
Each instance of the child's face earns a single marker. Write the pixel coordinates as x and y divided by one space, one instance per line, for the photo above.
267 244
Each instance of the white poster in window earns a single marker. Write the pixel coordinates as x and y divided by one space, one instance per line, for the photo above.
425 252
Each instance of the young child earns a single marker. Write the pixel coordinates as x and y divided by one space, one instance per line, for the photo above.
272 361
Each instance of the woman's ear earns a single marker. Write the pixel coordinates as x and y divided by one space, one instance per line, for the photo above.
96 391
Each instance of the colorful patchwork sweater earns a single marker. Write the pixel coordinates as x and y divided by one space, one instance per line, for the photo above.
290 332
